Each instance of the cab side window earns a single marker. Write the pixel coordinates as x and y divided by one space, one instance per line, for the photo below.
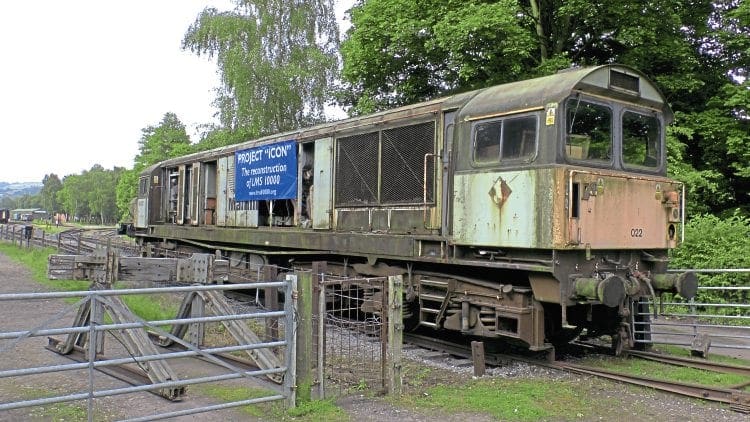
519 138
589 131
504 140
487 142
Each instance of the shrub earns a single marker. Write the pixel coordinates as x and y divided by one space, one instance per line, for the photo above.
711 242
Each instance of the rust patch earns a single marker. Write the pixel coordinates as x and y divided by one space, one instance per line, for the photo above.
499 192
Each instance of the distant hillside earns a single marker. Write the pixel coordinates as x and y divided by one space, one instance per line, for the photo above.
19 189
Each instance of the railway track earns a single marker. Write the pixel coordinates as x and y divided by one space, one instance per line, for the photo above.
735 396
85 241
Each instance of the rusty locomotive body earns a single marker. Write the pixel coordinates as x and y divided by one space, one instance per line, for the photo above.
525 211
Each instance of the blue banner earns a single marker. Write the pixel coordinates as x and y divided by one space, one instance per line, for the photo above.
267 172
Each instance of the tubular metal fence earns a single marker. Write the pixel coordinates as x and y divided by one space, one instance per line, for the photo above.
356 345
702 322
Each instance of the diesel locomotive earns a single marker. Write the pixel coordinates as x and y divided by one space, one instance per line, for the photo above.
526 211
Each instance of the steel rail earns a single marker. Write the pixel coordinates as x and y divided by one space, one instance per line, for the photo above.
736 399
692 363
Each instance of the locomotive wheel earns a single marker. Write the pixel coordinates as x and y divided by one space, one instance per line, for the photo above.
554 332
411 315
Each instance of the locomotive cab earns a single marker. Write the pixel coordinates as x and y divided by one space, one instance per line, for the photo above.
577 184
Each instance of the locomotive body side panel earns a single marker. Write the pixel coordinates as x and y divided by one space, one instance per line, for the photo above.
499 209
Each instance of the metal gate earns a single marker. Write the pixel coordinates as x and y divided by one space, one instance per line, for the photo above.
700 323
358 334
135 358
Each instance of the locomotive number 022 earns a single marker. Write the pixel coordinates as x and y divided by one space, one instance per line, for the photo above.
636 232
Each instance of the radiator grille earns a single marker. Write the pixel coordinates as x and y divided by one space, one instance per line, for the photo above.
404 151
387 167
624 81
357 170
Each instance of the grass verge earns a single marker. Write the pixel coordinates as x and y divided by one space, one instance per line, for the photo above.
513 400
322 410
642 367
685 353
56 411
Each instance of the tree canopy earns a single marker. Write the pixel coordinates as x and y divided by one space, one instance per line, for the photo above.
166 140
277 61
400 52
90 196
51 185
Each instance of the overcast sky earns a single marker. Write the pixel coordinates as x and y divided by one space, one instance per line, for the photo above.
80 79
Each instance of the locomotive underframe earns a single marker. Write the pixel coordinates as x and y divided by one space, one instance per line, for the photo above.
530 296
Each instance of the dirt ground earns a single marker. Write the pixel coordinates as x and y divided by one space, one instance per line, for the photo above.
627 403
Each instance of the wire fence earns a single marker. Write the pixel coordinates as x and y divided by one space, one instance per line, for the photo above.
351 336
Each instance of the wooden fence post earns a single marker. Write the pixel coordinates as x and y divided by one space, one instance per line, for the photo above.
395 319
477 355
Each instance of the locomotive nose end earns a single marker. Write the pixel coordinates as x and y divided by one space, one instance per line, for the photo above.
609 291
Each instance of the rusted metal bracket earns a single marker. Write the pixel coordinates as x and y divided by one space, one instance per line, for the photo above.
135 341
263 358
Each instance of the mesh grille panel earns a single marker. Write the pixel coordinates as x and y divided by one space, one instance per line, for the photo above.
357 170
404 150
